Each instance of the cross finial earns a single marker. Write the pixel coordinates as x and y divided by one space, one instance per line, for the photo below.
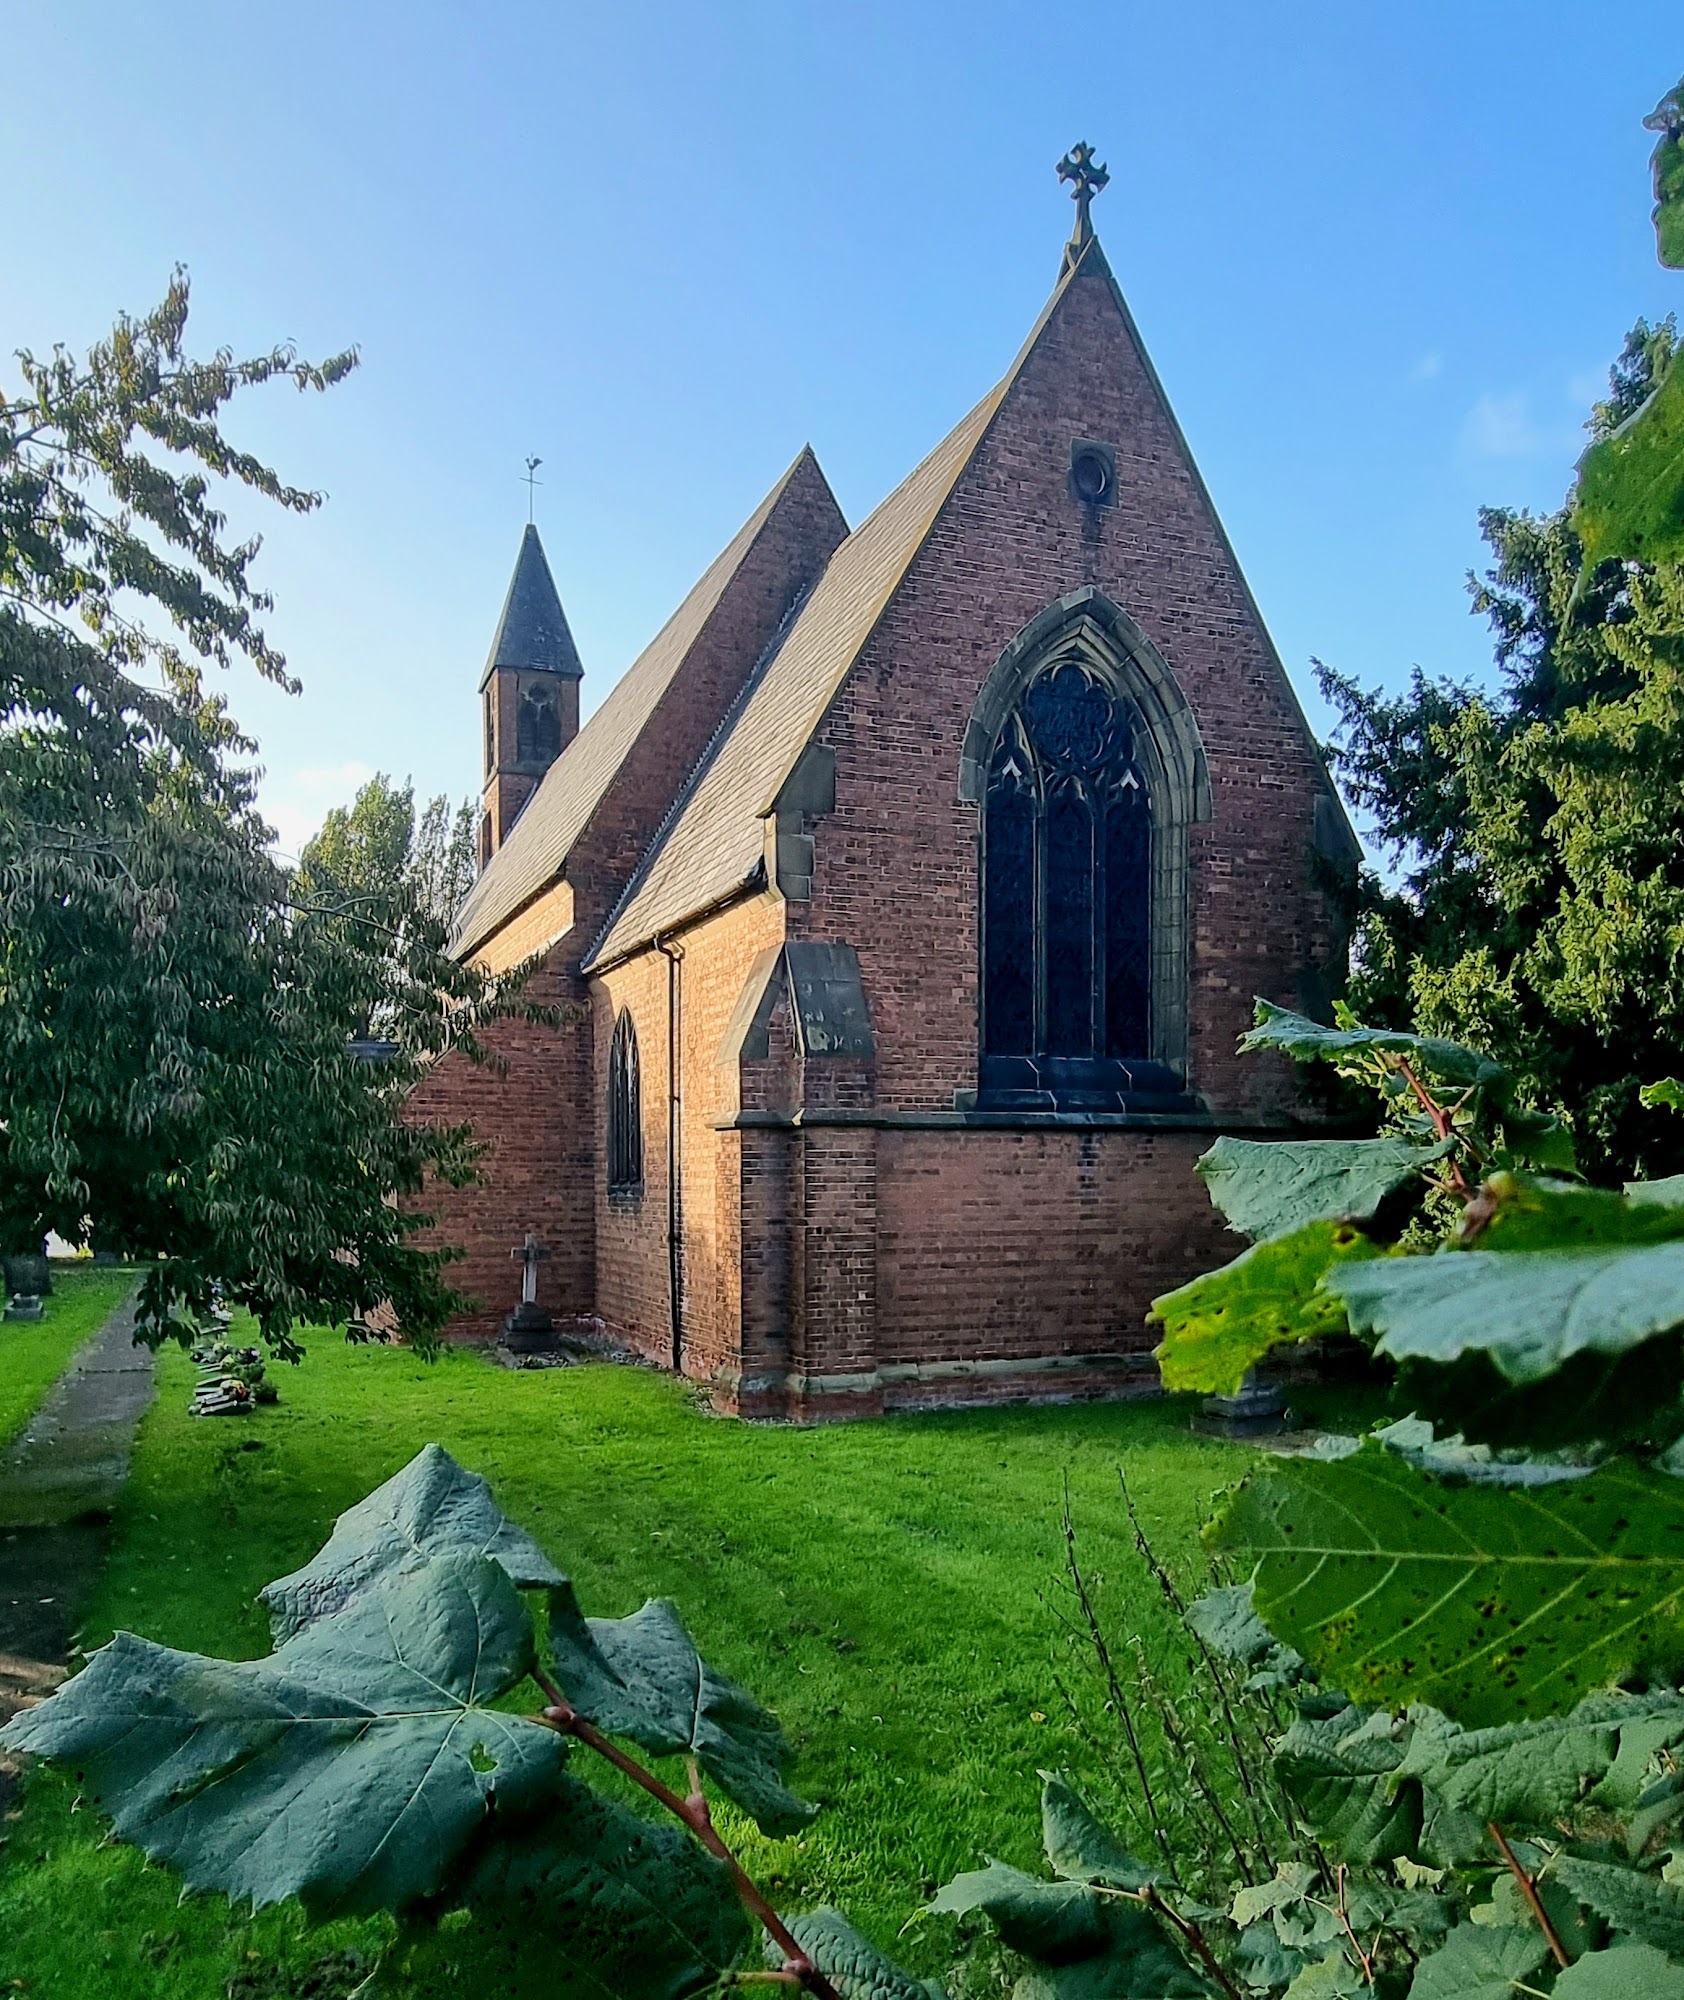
1087 178
532 480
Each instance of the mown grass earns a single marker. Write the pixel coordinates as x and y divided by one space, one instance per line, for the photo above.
33 1357
889 1588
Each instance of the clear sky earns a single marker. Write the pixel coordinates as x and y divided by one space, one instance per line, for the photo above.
1382 256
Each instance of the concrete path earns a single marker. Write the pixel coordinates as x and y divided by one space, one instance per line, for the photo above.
59 1481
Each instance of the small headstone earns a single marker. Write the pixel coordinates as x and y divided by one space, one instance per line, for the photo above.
25 1307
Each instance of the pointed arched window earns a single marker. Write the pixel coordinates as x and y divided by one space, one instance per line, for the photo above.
625 1111
537 727
1067 869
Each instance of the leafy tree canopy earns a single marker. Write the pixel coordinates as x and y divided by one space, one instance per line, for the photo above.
1536 827
176 1010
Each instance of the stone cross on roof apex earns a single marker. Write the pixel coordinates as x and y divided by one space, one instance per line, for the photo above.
1087 178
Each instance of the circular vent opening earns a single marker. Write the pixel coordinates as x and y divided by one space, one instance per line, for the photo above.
1090 474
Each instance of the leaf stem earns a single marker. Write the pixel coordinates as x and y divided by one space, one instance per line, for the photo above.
693 1812
1194 1937
1529 1889
1444 1123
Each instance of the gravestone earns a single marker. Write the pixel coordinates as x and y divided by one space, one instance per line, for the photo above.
28 1271
529 1329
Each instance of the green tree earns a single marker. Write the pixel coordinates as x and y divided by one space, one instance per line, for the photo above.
388 888
445 864
175 1019
1536 827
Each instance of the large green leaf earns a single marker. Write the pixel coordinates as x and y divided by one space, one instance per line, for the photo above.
1641 1906
431 1508
1483 1962
1529 1314
1488 1605
1309 1041
1623 1972
1054 1921
349 1768
642 1677
1524 1212
627 1908
1226 1620
1080 1847
1339 1771
1225 1322
1630 498
1267 1188
852 1963
1668 1092
1536 1774
1087 1945
1592 1399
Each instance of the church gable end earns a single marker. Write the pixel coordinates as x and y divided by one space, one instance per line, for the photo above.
1077 544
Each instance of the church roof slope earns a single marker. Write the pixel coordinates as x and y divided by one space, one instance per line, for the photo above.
533 631
715 840
539 842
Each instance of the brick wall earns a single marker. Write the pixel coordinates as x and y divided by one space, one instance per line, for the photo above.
538 1170
634 1292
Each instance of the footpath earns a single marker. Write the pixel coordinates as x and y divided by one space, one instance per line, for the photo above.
59 1482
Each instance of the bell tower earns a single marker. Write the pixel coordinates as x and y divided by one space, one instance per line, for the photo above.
529 694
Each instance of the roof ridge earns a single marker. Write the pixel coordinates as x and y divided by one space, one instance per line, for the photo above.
681 797
850 566
569 791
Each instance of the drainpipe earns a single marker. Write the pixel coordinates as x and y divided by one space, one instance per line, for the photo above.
674 956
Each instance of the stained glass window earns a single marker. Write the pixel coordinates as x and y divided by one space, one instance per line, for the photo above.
625 1111
1067 877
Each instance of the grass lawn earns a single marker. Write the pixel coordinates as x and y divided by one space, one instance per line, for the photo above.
32 1358
886 1587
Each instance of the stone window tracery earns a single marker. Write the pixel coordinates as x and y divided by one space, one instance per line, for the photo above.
1085 762
1067 843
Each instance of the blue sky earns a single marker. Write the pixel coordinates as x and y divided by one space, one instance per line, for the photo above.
1381 255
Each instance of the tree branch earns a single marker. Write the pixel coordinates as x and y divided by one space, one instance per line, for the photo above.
693 1812
1529 1889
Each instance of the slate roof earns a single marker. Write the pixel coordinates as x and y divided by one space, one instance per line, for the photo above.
714 843
532 632
535 852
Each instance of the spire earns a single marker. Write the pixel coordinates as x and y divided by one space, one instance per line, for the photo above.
532 633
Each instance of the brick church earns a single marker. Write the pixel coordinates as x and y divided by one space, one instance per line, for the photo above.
904 901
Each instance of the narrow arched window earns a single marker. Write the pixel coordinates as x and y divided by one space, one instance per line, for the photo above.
537 727
1067 893
625 1111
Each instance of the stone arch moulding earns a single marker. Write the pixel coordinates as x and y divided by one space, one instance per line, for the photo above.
1089 627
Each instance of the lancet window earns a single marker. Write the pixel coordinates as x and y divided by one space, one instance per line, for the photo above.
537 727
625 1111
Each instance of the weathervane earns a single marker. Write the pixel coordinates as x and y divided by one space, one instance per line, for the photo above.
1088 178
532 480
